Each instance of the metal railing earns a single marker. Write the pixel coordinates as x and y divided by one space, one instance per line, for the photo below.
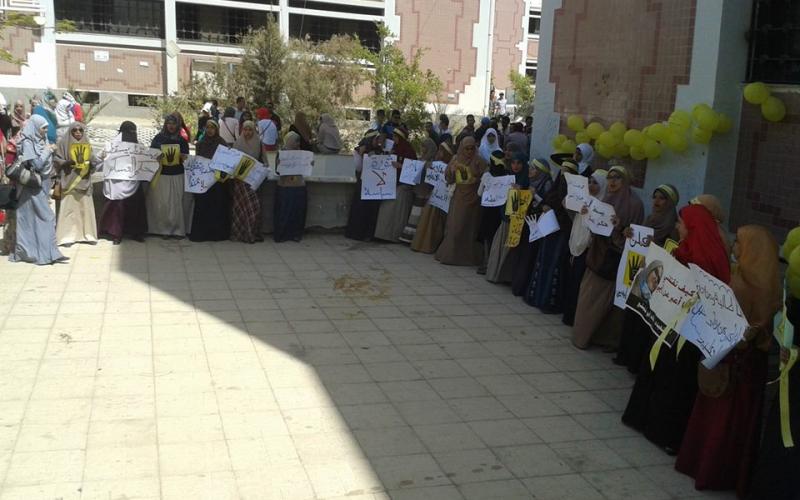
32 6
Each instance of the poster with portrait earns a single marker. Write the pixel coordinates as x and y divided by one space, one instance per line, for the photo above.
633 257
379 178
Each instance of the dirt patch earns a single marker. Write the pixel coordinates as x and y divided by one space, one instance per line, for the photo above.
353 286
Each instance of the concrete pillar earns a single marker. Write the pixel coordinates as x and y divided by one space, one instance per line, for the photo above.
172 50
283 18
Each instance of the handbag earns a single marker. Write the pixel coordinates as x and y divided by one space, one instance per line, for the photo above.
22 173
57 193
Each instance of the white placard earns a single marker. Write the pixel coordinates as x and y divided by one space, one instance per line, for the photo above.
545 225
226 159
101 55
716 323
599 220
633 258
258 174
379 178
440 197
411 173
295 162
434 175
198 175
577 192
129 161
388 145
495 190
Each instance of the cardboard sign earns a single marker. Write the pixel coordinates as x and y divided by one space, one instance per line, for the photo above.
295 162
257 175
577 192
440 197
545 225
198 175
411 173
81 154
633 258
129 161
495 191
516 208
226 159
379 178
435 174
599 218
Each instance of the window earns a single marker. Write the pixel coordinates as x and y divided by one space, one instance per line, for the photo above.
89 97
775 42
320 29
218 25
114 17
534 22
530 70
138 100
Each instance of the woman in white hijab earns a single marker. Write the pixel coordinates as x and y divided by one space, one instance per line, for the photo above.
584 154
489 144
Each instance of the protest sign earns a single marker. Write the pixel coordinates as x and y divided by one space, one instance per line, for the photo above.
226 159
495 190
295 163
517 205
129 161
599 218
379 178
435 173
80 153
670 245
545 225
198 175
257 175
632 260
660 291
716 323
171 155
440 197
412 172
388 145
577 192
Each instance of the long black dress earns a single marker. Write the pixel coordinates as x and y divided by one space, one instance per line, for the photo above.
363 216
211 220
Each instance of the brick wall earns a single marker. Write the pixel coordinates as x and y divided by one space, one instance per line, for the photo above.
506 54
766 189
18 41
125 70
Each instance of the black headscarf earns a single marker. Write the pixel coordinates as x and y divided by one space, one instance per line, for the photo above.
177 121
128 131
522 178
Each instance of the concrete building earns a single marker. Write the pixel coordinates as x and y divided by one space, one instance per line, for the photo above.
637 61
125 49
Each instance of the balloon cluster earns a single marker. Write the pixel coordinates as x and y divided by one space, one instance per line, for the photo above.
791 252
772 108
620 142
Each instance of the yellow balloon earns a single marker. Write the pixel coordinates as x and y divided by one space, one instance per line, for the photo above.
725 124
657 131
637 153
652 149
794 285
756 93
568 146
773 109
633 138
698 108
559 140
594 130
701 135
618 129
621 150
605 151
707 118
676 141
794 261
792 242
582 137
575 123
681 119
607 139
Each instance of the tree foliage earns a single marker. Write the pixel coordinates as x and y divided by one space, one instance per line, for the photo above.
524 93
401 84
14 19
262 71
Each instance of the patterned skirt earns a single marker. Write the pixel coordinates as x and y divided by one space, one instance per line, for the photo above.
245 214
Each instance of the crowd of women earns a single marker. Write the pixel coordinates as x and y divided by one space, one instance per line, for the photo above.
710 419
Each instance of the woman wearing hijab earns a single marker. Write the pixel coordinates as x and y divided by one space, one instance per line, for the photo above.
301 128
460 245
422 192
393 214
291 199
46 108
18 117
662 398
168 209
636 338
499 269
74 163
184 129
584 154
329 142
211 219
229 126
579 240
363 215
433 220
246 205
596 295
722 436
546 285
124 211
714 206
489 232
489 144
36 228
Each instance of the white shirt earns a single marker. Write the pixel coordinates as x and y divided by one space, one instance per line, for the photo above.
501 105
229 129
268 132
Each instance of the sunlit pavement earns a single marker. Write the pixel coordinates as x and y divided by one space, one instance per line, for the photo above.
324 369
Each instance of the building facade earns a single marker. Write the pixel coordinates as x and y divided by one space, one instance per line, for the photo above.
637 61
125 49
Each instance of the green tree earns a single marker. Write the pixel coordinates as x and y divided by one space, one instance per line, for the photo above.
401 84
262 72
524 93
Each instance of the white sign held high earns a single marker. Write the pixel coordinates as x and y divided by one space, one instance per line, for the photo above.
295 163
198 175
440 197
495 191
577 192
129 161
633 258
258 174
412 172
226 159
435 174
379 178
600 218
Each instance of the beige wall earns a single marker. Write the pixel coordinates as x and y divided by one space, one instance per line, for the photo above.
508 34
18 42
129 71
533 49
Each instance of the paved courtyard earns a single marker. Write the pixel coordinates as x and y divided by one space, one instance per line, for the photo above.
320 370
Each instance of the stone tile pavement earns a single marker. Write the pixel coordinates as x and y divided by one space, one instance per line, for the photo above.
320 370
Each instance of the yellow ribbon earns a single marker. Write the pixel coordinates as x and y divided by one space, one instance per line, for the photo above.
784 331
156 177
662 337
82 171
